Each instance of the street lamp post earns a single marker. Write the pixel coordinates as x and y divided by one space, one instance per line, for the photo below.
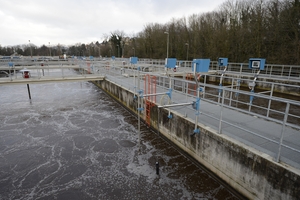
167 43
123 49
50 49
99 51
118 51
187 51
30 48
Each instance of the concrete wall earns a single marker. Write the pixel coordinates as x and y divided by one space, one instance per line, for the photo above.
247 170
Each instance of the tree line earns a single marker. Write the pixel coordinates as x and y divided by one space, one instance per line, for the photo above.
238 30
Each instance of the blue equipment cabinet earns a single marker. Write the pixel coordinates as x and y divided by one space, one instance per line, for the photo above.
223 62
133 60
170 62
200 65
257 63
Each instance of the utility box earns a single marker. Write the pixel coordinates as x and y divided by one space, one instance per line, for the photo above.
170 62
133 60
257 63
113 57
223 62
200 65
10 64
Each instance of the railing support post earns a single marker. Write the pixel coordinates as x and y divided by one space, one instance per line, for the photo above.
221 114
270 100
282 130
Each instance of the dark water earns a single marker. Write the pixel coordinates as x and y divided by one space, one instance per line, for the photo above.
73 142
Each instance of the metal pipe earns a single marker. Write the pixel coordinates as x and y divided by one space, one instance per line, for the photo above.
221 114
270 100
263 92
170 86
174 105
148 95
198 97
139 120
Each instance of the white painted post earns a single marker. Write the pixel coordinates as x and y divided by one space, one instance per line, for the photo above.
282 130
221 114
139 100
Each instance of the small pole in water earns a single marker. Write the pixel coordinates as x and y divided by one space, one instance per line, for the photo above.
28 91
157 168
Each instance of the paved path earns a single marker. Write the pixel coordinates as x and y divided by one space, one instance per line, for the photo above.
258 133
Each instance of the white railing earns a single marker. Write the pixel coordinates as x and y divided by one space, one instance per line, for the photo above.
264 105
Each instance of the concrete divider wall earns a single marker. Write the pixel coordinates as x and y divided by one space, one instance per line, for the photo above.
247 170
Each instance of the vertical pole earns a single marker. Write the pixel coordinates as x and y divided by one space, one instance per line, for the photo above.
241 69
251 100
271 71
37 71
10 75
282 70
290 73
221 115
170 100
62 71
134 82
186 88
139 100
28 91
283 129
157 168
198 108
204 87
232 82
270 99
220 91
167 44
48 70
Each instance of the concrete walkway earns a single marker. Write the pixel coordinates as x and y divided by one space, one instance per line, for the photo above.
250 130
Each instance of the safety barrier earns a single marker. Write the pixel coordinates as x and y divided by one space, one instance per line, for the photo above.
263 105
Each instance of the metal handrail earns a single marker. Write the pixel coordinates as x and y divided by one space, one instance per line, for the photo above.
113 72
211 95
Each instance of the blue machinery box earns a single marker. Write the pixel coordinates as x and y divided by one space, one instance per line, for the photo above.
223 62
133 60
200 65
257 63
170 62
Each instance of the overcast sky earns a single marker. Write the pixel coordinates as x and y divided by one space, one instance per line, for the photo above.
83 21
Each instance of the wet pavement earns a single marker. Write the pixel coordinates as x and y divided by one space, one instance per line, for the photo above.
72 141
